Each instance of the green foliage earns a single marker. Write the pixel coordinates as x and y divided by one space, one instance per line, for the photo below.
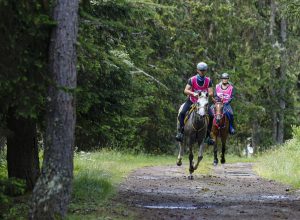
118 88
23 55
13 186
296 133
134 59
10 188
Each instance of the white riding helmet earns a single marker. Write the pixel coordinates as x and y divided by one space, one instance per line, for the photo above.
202 66
225 76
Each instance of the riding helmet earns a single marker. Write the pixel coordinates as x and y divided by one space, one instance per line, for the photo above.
202 66
225 76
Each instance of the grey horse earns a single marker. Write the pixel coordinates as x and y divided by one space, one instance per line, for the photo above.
195 130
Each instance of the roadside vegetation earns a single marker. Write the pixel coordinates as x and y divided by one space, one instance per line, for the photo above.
98 174
282 162
96 178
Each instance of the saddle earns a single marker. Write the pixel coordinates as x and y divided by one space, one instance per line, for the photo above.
187 115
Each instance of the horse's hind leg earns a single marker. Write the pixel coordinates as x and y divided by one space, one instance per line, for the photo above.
179 158
191 169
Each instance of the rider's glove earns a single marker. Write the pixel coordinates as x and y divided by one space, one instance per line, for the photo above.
195 94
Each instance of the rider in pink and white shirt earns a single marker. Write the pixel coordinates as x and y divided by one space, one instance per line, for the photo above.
196 83
225 91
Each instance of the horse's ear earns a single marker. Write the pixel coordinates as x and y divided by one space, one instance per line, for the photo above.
207 94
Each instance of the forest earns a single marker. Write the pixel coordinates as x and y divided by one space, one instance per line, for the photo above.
110 75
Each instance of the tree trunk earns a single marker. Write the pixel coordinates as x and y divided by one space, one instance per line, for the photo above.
22 150
273 70
52 193
255 134
283 66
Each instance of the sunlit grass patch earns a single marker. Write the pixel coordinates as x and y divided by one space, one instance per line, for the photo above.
96 176
282 164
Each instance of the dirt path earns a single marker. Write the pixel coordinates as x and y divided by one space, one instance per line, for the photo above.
232 192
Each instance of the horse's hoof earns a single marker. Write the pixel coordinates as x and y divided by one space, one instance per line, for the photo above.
223 160
190 177
216 162
179 162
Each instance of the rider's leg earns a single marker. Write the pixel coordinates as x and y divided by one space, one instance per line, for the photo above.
231 125
181 116
229 114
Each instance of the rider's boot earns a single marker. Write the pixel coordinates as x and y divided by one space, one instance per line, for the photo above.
179 135
231 126
231 129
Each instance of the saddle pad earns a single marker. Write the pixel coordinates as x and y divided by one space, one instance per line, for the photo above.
187 115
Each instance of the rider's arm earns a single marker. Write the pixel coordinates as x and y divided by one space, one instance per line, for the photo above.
232 95
188 90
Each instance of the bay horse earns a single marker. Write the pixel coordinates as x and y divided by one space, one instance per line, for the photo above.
220 128
195 130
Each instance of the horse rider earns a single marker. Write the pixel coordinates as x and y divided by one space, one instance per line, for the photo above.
196 84
225 92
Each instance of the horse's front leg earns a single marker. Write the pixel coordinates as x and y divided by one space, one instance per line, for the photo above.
214 135
223 152
191 158
179 158
200 154
216 161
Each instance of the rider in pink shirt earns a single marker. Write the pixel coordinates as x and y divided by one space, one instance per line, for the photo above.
196 83
225 91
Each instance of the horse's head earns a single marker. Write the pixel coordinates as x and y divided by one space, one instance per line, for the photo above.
202 104
219 105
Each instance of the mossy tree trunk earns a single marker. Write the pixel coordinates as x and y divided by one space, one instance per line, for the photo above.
52 193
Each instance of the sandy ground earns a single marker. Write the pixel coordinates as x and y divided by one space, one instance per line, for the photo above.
233 191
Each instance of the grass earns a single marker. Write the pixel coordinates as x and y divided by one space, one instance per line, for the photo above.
97 175
282 163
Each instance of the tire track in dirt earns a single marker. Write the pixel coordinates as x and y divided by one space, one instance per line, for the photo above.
233 191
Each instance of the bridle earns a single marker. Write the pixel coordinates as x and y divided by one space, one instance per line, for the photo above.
220 114
199 107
